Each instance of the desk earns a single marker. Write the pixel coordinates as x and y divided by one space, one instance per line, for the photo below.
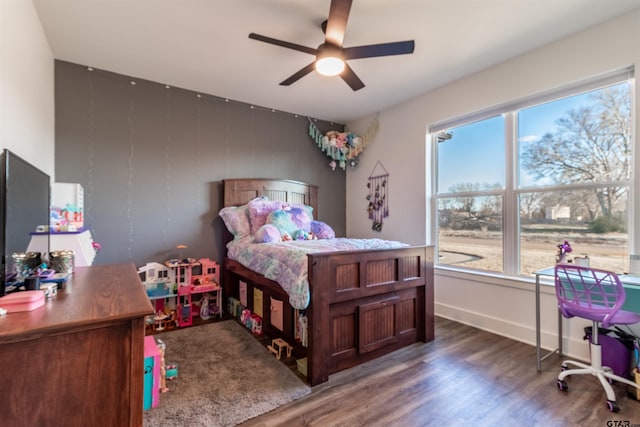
632 303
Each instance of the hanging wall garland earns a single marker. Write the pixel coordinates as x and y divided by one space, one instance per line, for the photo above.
343 147
378 185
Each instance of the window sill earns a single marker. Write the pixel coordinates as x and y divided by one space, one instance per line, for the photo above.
496 279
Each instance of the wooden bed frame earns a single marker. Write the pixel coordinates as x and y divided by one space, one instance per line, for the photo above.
364 303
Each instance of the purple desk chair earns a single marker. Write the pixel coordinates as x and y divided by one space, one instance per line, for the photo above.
596 295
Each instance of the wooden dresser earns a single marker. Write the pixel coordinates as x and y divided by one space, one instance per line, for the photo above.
78 360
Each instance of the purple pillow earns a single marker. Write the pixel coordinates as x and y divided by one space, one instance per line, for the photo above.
322 230
266 234
259 209
301 216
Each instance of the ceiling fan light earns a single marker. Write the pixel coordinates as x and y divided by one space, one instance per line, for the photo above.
329 66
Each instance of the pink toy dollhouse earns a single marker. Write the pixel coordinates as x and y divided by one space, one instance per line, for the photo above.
199 280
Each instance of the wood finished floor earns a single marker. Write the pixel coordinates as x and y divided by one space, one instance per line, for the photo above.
466 377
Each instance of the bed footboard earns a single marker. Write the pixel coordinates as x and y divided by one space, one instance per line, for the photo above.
365 304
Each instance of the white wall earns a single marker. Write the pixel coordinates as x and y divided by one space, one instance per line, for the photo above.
26 86
493 303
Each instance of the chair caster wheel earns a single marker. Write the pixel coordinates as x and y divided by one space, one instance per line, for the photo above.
563 386
613 406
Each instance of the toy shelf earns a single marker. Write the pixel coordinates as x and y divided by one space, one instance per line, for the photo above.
80 242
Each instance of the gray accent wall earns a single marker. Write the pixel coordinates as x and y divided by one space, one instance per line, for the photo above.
151 160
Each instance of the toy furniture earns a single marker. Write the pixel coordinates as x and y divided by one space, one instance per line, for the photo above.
171 372
596 295
52 353
151 396
364 303
276 347
160 321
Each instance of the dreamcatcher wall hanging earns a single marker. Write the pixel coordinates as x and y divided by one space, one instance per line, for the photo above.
343 147
378 185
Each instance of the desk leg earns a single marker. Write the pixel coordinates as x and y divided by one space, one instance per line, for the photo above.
559 332
538 357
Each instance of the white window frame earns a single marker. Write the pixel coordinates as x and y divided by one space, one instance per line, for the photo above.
510 205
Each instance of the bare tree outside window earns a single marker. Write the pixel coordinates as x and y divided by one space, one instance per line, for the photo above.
573 180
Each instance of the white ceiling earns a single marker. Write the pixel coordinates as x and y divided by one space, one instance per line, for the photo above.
203 45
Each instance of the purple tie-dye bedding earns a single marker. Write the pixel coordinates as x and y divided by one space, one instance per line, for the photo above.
286 262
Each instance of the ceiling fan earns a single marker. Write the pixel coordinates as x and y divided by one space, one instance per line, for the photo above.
331 56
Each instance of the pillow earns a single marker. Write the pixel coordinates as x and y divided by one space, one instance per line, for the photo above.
236 218
282 220
259 209
302 216
322 230
267 233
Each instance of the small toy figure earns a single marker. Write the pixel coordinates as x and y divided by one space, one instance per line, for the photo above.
173 319
204 308
256 324
302 330
163 369
245 317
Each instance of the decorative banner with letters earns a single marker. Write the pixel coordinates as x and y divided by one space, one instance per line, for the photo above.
378 185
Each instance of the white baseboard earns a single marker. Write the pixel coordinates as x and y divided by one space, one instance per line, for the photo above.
574 347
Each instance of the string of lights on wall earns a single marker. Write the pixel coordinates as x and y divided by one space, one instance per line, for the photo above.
168 177
221 99
132 90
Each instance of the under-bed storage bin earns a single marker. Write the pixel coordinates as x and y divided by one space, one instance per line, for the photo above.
277 317
302 366
258 302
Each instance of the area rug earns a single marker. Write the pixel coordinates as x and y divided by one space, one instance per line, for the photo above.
225 377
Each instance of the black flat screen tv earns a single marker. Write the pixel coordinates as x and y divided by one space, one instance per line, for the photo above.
24 205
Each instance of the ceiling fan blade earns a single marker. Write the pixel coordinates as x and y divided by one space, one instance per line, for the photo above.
350 77
282 43
298 75
337 22
383 49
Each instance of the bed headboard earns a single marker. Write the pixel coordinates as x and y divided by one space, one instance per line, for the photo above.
239 191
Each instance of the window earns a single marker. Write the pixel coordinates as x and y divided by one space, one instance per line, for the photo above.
514 183
471 182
